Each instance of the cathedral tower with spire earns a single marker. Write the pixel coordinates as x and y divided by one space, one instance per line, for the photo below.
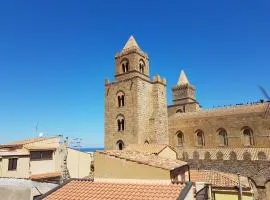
184 99
135 105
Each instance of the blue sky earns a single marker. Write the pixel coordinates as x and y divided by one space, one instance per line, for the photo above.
55 55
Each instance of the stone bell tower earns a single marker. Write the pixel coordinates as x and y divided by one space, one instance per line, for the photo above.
135 106
184 99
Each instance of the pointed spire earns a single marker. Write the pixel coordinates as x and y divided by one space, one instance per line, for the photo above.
182 79
131 44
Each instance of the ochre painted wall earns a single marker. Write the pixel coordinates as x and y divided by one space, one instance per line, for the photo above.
111 167
230 196
78 163
22 170
168 153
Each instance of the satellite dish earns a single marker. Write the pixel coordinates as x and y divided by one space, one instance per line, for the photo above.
40 135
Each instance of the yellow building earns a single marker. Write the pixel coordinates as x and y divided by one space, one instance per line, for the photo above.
44 158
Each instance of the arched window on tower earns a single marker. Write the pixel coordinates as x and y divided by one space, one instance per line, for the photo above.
121 99
222 137
248 137
141 66
120 145
200 138
180 138
120 123
125 65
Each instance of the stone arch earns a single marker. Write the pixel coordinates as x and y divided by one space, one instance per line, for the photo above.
199 135
246 156
120 145
146 142
219 155
142 66
125 65
222 137
247 134
185 156
207 155
262 155
179 138
233 156
179 110
120 98
196 155
120 120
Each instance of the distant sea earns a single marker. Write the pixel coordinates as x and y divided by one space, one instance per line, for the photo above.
91 149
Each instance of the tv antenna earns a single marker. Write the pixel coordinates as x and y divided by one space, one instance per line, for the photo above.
267 106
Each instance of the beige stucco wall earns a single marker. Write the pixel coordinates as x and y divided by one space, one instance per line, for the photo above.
78 163
230 196
22 170
168 153
111 167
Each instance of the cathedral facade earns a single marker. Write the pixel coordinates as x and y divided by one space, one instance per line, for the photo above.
234 139
136 112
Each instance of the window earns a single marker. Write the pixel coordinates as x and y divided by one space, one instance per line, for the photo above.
200 138
120 123
12 164
180 138
222 136
121 99
41 155
248 137
125 66
141 66
120 145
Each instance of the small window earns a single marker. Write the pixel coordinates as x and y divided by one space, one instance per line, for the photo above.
120 123
248 137
141 66
200 138
12 164
120 145
121 99
125 66
180 138
41 155
223 139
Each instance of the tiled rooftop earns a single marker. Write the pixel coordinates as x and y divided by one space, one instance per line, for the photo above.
85 189
147 159
27 141
217 179
45 176
146 148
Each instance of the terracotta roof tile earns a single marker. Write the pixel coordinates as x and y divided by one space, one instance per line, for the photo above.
147 159
30 140
147 148
217 179
45 176
83 189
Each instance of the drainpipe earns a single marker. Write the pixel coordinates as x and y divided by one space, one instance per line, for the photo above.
240 187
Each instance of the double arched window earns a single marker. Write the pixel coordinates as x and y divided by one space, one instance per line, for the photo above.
180 138
222 137
125 65
121 99
248 136
200 138
120 123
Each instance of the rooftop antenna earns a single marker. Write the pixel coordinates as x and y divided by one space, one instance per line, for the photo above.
267 107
